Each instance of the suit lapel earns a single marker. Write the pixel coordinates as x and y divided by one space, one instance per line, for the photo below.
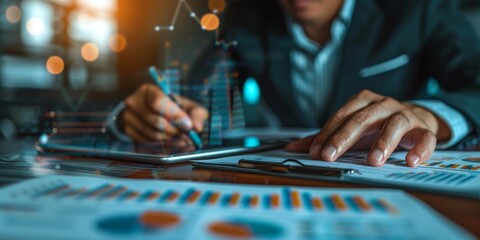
358 47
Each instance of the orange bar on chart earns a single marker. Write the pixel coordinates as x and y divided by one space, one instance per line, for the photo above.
117 192
193 197
391 209
132 195
172 197
234 199
361 203
57 190
152 196
214 198
295 196
317 203
339 203
254 201
275 201
100 190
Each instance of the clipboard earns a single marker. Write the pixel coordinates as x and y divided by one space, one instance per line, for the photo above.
292 168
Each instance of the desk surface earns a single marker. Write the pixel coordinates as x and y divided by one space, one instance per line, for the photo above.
26 164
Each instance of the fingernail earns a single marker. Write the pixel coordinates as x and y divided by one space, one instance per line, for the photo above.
377 155
329 152
316 151
185 124
161 126
416 159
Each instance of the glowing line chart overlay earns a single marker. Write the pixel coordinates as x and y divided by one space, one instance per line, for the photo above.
209 21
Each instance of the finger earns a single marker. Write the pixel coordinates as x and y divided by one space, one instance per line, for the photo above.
163 105
355 103
137 104
132 120
424 145
390 136
365 143
199 115
132 133
362 123
161 124
300 145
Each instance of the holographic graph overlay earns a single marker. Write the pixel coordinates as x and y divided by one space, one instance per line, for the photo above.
224 102
208 22
63 122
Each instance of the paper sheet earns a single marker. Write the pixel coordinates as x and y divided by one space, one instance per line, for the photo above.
68 207
458 181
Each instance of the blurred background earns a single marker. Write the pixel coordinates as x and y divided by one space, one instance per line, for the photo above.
64 64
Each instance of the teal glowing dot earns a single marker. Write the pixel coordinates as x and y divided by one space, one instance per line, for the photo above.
43 139
251 142
251 91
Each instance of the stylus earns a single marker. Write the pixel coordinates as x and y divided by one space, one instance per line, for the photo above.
163 85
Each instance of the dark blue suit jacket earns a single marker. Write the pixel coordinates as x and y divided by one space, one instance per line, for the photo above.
432 35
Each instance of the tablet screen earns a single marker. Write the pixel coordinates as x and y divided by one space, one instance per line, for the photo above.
168 151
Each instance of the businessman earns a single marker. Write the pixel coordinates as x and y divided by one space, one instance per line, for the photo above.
358 69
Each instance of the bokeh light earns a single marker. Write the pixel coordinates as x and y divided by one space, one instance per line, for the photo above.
35 26
216 6
117 43
90 52
13 14
55 65
251 91
210 22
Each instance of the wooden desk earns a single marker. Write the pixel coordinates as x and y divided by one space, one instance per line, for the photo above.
463 211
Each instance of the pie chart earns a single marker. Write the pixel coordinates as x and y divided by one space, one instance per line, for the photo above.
240 228
135 224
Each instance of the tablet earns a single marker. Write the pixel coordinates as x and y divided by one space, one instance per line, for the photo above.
163 152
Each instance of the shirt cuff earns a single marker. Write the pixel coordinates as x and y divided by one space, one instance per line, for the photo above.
112 123
457 123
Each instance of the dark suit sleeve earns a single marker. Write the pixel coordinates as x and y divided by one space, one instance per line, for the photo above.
453 58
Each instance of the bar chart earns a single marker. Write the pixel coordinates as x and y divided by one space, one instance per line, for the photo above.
286 199
59 207
446 178
469 167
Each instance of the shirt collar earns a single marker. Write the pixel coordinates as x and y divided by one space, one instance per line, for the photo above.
343 19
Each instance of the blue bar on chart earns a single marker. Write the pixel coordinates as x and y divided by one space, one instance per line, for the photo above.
307 201
52 190
185 196
95 191
111 193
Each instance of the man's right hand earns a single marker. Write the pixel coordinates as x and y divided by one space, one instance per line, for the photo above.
151 116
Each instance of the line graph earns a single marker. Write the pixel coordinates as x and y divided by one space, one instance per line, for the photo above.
209 22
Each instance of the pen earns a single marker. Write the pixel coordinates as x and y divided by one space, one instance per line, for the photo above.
159 81
286 167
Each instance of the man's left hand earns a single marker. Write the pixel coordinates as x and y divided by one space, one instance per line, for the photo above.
369 120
